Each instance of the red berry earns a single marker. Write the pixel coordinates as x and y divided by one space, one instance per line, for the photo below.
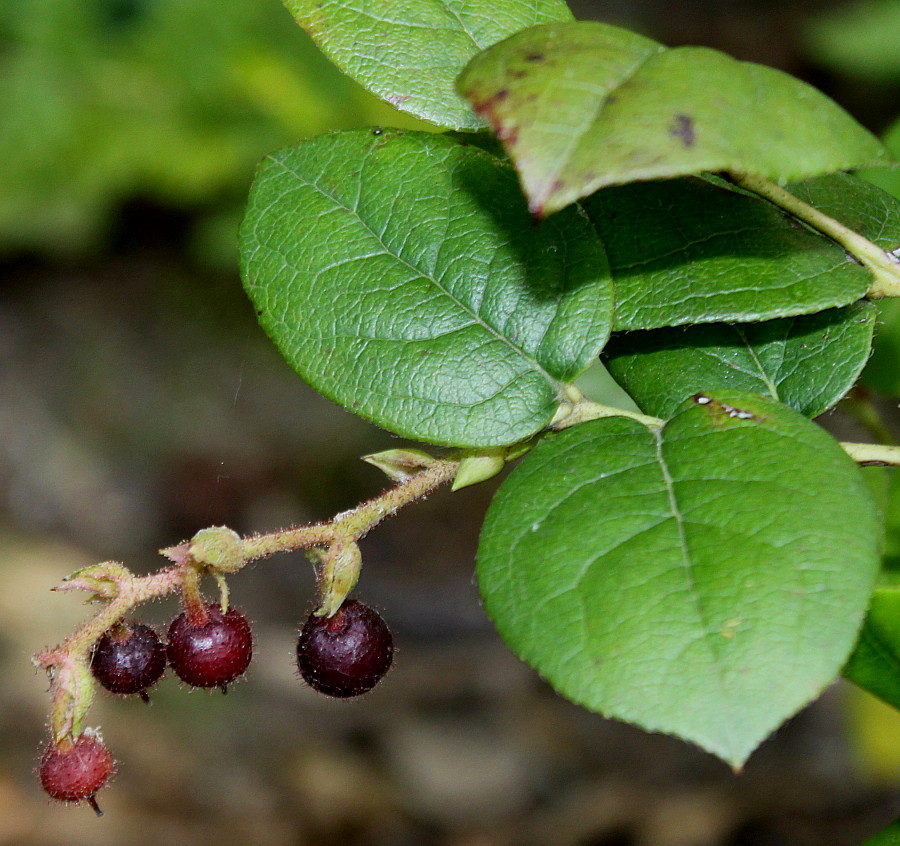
74 772
129 659
346 654
214 654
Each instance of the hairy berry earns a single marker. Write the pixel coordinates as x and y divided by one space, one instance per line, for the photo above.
347 654
213 654
129 659
75 771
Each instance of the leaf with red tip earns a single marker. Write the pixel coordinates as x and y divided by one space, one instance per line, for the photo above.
582 105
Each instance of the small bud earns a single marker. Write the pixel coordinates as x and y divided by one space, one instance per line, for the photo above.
400 464
102 580
479 466
563 412
340 573
218 548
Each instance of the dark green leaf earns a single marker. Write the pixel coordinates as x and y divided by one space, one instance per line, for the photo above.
583 105
706 580
875 663
409 52
402 276
883 371
887 837
698 251
887 179
806 362
863 207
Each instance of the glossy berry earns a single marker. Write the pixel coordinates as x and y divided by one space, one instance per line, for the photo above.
214 654
74 772
129 659
346 654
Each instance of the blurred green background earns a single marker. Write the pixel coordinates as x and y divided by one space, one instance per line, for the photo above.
139 402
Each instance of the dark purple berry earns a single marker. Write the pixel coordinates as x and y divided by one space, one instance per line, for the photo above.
129 659
346 654
75 771
213 654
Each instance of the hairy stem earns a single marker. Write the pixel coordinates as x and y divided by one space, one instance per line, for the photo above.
130 591
71 684
191 597
72 687
354 524
883 265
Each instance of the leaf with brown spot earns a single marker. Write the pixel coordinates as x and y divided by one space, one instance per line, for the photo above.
642 571
593 105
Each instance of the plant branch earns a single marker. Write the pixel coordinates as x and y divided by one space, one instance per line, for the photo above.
71 683
218 551
355 524
883 265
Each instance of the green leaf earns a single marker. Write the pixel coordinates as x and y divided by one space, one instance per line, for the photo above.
884 482
863 207
806 362
858 39
875 663
698 250
883 370
885 178
706 580
583 105
402 276
889 836
409 52
891 561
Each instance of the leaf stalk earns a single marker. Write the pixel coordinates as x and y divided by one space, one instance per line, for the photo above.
882 264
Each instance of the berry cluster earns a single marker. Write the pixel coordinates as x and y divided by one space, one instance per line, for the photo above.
344 648
343 655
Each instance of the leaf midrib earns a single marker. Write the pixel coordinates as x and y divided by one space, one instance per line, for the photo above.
556 384
577 136
687 564
763 375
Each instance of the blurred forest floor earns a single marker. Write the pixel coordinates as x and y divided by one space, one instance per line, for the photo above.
139 402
